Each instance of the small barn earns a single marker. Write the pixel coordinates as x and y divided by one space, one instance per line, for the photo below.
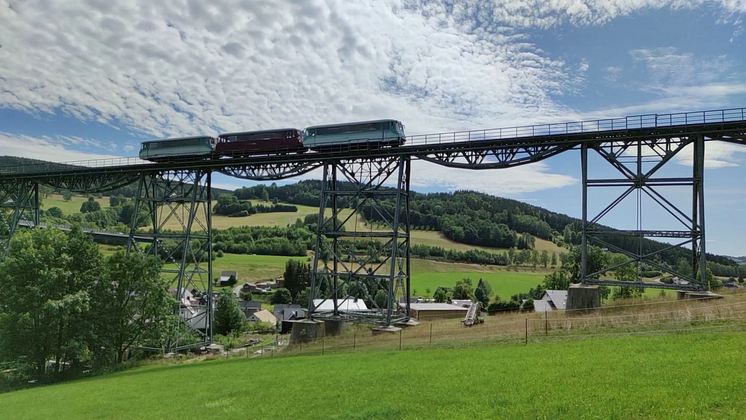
433 311
552 300
225 277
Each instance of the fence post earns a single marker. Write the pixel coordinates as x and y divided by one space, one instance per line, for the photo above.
354 339
400 331
527 331
546 323
323 340
431 333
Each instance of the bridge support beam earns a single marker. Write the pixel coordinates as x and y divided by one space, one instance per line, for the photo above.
172 220
362 242
639 162
19 204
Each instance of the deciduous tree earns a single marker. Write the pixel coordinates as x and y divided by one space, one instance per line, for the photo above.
228 316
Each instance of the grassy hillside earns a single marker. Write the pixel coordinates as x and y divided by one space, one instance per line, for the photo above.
598 378
72 206
418 237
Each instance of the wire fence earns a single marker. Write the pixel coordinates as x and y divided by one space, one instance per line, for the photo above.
642 318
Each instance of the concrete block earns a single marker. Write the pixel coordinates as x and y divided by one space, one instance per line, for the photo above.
387 329
334 327
305 331
582 298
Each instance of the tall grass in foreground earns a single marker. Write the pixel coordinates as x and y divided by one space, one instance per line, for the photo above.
692 376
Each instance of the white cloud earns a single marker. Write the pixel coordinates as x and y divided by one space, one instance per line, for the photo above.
183 67
45 148
509 182
186 67
717 155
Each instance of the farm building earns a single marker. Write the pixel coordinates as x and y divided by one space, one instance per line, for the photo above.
552 300
263 316
225 278
433 311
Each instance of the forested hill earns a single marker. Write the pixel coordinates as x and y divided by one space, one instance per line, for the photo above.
475 218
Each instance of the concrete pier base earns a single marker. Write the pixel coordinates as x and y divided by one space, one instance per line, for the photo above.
582 298
305 331
697 295
334 327
387 329
410 323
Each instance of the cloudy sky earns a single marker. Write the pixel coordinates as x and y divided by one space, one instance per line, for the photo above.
85 79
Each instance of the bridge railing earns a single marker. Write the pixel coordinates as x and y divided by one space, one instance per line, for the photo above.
591 126
567 128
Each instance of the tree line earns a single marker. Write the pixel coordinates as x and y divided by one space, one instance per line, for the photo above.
66 308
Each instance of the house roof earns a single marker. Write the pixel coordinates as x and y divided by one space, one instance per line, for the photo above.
250 304
461 302
288 313
237 289
225 275
542 306
436 307
558 298
265 316
347 304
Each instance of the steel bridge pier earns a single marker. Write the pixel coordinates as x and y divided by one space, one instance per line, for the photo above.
370 262
638 162
177 206
19 201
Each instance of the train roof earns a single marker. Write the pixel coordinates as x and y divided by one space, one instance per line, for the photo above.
177 138
352 123
277 130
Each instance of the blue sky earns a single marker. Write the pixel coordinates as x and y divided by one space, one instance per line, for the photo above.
103 76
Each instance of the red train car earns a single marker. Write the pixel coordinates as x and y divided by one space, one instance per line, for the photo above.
287 140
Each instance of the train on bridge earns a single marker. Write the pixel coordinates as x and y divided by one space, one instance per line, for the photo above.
337 137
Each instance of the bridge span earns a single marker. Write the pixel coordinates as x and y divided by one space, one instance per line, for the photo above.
635 148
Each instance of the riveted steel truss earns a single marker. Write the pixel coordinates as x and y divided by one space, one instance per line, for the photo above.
19 204
94 183
495 156
271 171
356 259
175 207
638 162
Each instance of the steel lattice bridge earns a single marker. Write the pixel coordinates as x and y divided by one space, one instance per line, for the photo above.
179 192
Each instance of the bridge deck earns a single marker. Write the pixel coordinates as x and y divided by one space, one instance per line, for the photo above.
726 125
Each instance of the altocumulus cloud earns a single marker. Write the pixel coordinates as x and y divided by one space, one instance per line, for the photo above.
186 66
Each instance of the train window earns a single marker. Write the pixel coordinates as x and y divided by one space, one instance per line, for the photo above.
348 129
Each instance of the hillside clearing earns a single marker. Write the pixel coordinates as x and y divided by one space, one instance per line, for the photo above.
593 378
72 206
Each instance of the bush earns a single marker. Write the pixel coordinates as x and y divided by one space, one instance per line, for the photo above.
527 306
55 212
503 306
220 253
650 274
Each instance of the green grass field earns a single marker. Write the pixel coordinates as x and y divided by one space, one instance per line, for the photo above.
689 376
72 206
504 283
433 238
